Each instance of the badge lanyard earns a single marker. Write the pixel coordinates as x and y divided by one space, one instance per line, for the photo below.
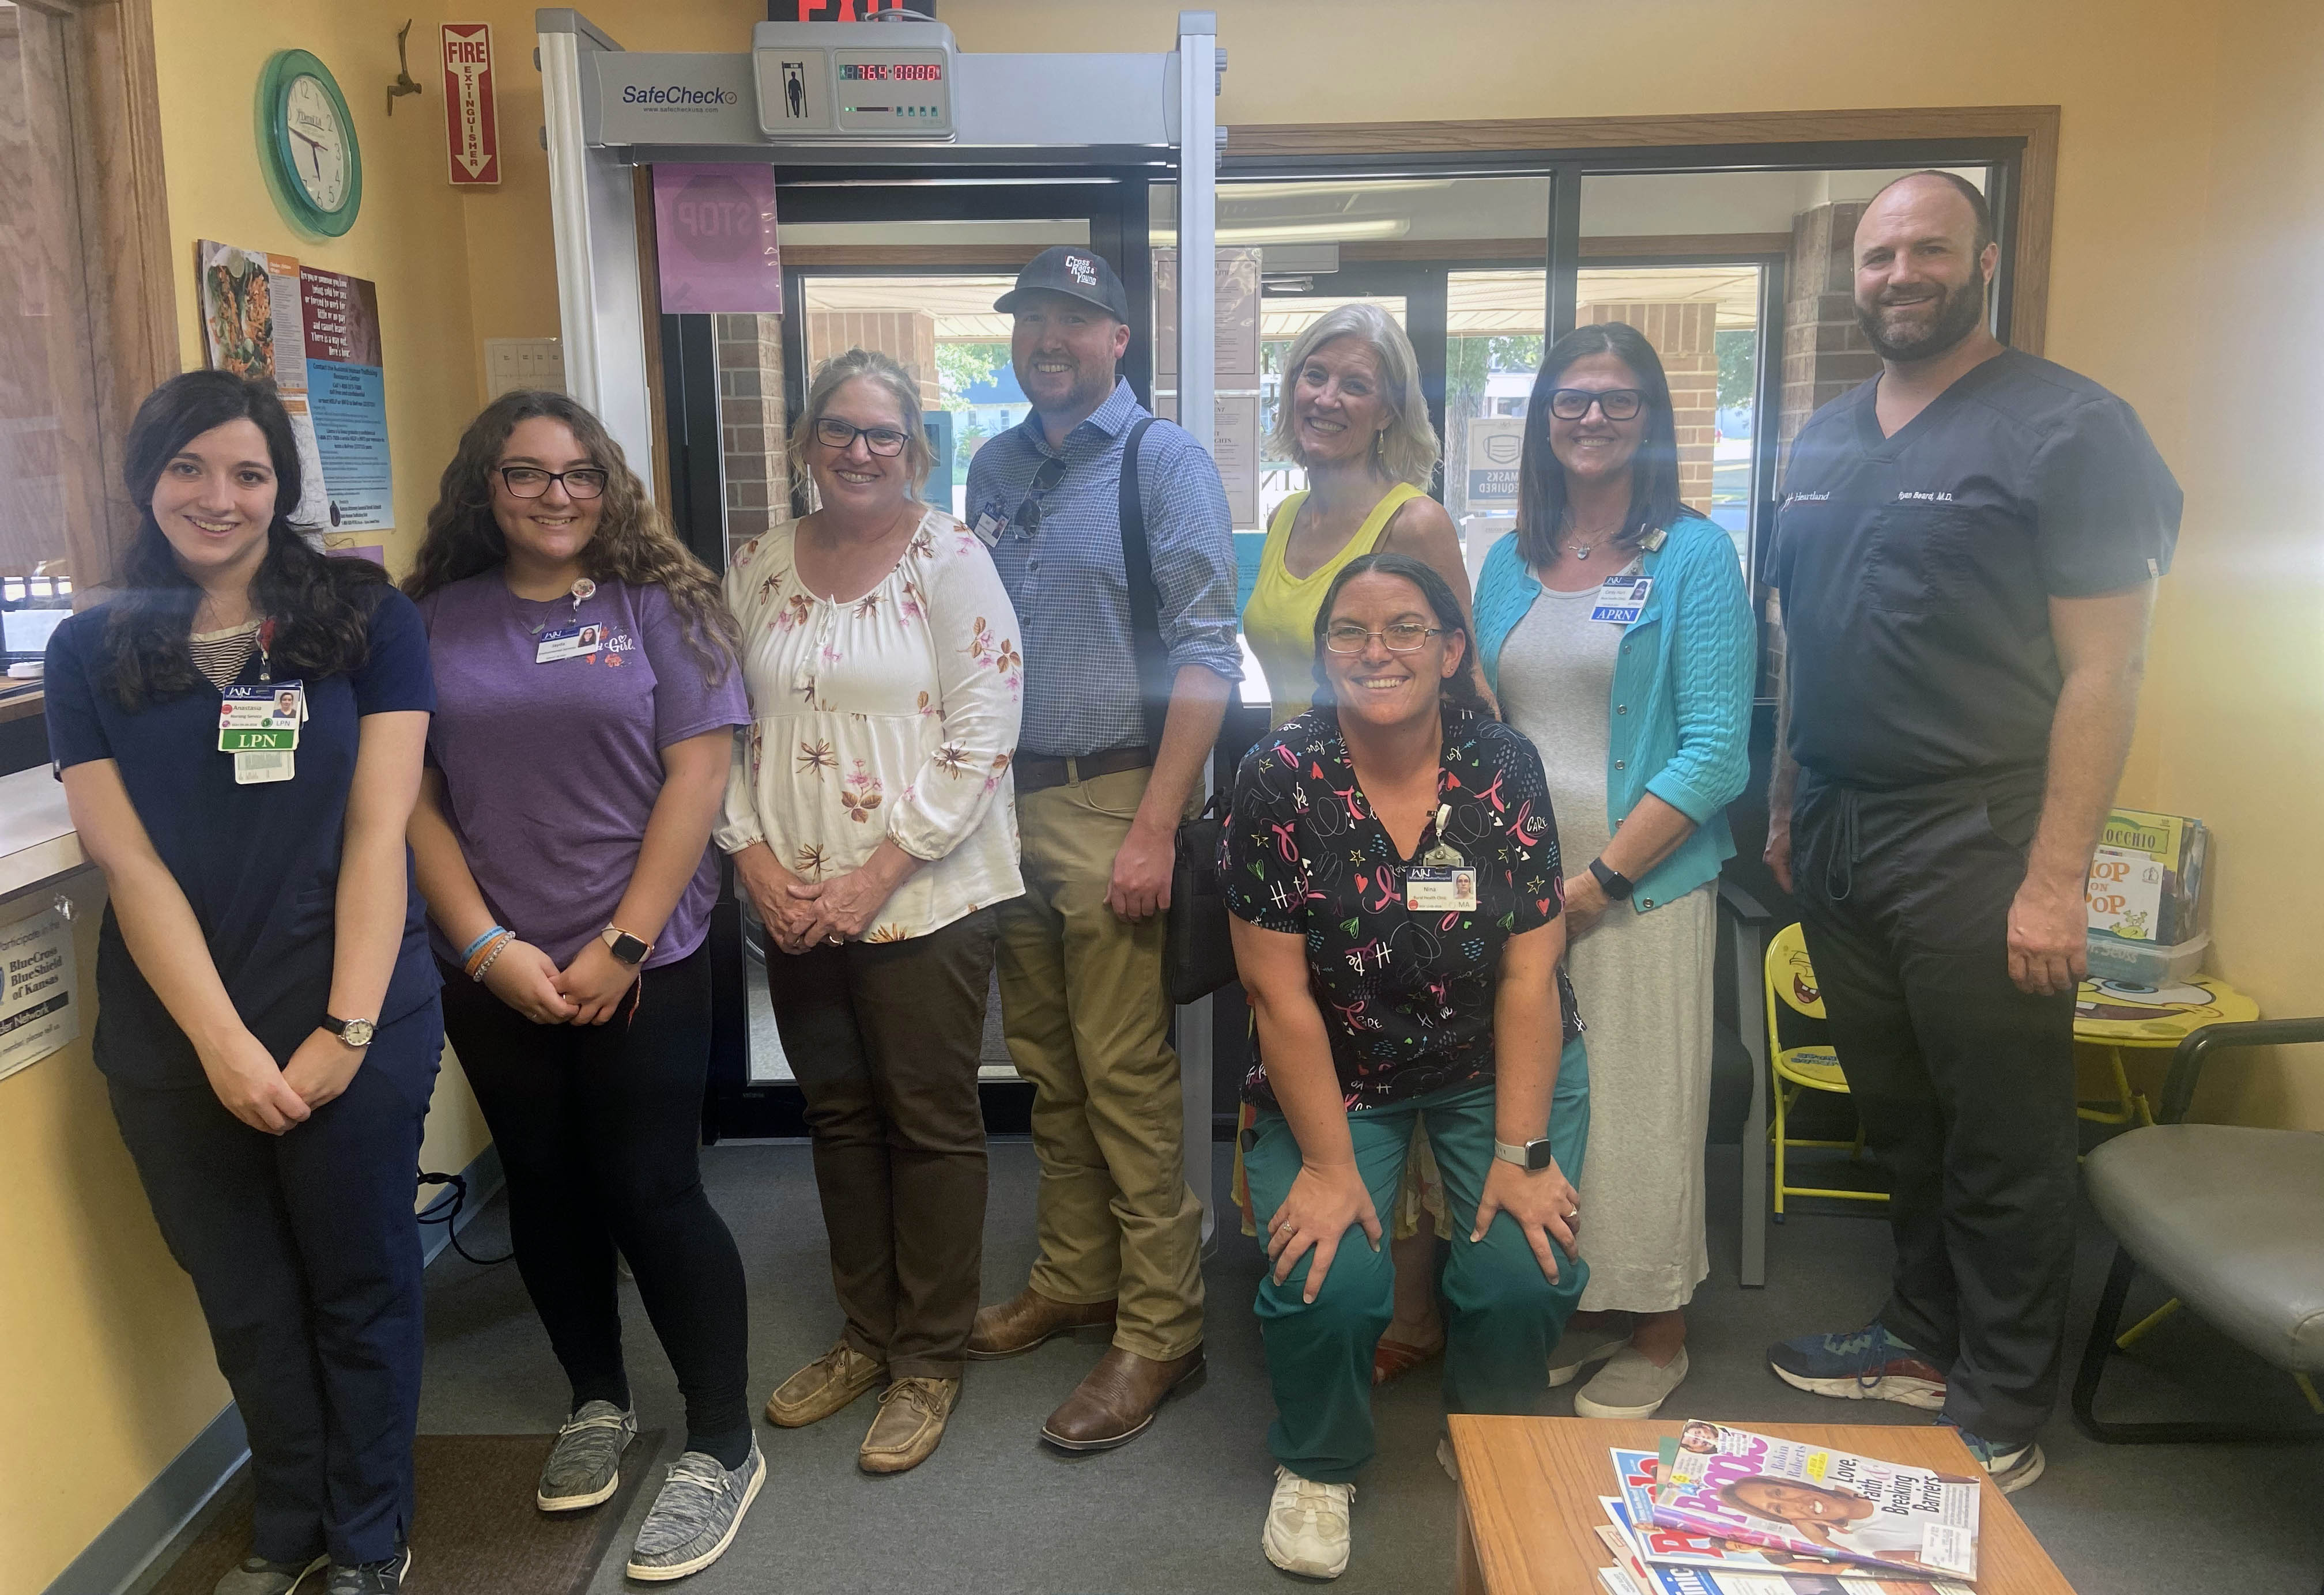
1443 881
574 640
260 724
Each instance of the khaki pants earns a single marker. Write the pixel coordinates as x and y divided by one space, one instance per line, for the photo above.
1087 1019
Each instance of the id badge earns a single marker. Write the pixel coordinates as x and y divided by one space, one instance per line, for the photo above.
265 705
567 642
1440 890
1622 599
254 770
989 528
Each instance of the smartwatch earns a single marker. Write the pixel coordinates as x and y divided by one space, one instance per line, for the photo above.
627 948
1616 887
355 1033
1532 1156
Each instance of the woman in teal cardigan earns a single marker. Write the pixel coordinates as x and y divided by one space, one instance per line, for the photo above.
1616 630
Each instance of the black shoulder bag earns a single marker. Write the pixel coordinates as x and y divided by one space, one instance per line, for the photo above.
1197 957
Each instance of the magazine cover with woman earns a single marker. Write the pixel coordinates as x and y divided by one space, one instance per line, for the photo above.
1740 1485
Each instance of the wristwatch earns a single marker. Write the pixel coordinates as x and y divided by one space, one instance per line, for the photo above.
1532 1156
355 1033
627 948
1615 885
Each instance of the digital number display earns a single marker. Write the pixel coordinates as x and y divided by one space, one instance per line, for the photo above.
901 72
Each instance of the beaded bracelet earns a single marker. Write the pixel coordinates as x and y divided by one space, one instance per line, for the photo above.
476 945
491 958
479 962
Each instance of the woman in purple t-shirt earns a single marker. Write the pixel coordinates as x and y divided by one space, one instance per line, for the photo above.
587 697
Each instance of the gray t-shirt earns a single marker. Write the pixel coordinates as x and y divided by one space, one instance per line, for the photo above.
1556 680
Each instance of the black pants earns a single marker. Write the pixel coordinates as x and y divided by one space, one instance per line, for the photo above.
599 1128
884 1037
306 1259
1964 1083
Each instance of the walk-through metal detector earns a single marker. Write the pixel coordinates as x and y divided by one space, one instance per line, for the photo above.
890 105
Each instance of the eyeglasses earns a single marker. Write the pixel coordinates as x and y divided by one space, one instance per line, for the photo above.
1617 404
837 435
529 482
1403 637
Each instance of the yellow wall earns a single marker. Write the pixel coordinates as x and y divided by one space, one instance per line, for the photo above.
109 1368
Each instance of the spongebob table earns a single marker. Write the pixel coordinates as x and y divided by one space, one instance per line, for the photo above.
2114 1015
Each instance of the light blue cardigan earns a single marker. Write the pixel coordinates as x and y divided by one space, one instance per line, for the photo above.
1681 709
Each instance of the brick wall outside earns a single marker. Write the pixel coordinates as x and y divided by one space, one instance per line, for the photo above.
909 338
1684 334
1824 350
751 416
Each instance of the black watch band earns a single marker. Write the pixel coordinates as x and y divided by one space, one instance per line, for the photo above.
1616 887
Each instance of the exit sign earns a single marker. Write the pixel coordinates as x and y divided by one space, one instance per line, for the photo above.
842 11
471 127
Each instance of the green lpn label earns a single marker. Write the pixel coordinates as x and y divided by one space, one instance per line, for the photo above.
257 742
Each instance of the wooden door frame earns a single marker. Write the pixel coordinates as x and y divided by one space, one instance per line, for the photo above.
2028 213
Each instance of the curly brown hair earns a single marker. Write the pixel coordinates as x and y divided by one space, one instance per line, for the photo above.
634 542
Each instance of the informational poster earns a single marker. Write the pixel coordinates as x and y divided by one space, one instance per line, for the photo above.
253 324
40 1006
1234 448
1496 446
1237 311
715 239
346 394
472 132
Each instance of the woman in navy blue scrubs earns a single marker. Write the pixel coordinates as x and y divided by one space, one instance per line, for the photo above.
267 1014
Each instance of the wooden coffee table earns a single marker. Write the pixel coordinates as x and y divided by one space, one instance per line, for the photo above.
1529 1490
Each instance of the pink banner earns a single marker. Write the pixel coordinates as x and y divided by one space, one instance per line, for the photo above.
715 233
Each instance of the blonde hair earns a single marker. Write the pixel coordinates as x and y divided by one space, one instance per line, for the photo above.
1407 449
900 384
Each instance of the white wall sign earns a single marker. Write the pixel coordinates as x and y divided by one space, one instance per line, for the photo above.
1496 445
40 1006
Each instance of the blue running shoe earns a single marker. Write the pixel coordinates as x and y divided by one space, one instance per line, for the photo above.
1869 1364
2010 1467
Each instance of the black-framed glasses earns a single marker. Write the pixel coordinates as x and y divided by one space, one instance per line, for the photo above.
1617 404
1402 637
529 482
840 436
1027 521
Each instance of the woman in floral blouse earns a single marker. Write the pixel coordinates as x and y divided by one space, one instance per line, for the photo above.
1392 867
872 826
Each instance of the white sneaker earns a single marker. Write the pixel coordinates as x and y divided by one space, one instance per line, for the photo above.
1630 1385
1306 1528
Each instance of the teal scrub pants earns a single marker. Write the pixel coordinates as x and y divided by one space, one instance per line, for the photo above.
1505 1314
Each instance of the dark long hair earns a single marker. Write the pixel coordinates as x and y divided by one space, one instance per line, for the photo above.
320 606
1654 470
1460 687
633 542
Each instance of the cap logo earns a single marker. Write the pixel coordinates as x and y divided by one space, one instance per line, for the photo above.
1084 272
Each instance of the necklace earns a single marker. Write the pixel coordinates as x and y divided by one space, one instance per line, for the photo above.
1583 550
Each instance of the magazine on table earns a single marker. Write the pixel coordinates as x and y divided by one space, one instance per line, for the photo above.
1798 1499
1744 1569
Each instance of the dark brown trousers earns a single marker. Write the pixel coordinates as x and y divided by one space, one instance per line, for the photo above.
884 1037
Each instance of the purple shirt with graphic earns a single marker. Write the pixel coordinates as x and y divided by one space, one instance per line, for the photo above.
550 771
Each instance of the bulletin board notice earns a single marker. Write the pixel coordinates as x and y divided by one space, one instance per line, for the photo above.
40 1008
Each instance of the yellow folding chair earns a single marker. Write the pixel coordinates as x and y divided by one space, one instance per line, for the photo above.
1791 981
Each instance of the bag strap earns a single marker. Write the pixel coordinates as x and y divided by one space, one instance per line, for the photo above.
1145 598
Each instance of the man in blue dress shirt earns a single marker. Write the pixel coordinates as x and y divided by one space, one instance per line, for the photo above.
1099 800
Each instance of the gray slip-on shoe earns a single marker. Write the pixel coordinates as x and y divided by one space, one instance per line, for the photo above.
258 1576
1630 1385
696 1514
584 1466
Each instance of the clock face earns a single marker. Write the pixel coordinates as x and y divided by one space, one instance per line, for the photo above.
318 141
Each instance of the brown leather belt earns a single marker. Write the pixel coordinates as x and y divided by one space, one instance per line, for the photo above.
1037 774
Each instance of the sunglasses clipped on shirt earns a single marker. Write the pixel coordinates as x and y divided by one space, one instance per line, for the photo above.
1027 521
1617 405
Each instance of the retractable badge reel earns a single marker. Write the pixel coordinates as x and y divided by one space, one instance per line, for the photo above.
1443 881
259 723
573 640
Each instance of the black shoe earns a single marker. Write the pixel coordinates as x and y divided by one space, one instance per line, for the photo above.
370 1578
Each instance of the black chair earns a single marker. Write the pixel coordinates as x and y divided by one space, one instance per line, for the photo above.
2230 1217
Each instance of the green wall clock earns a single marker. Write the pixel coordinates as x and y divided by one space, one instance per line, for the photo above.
307 145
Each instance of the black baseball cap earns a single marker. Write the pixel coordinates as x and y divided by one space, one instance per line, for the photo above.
1077 272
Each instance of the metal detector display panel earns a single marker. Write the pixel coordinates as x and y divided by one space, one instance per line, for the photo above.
854 93
794 92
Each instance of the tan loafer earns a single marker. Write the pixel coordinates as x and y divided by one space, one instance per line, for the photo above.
912 1414
1116 1401
1025 1320
823 1386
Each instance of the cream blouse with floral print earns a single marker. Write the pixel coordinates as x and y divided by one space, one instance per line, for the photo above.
894 714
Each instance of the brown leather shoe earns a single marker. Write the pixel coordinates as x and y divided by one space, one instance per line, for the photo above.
1116 1401
823 1386
911 1420
1026 1320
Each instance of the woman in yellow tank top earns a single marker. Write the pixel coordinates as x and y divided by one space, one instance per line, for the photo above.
1353 416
